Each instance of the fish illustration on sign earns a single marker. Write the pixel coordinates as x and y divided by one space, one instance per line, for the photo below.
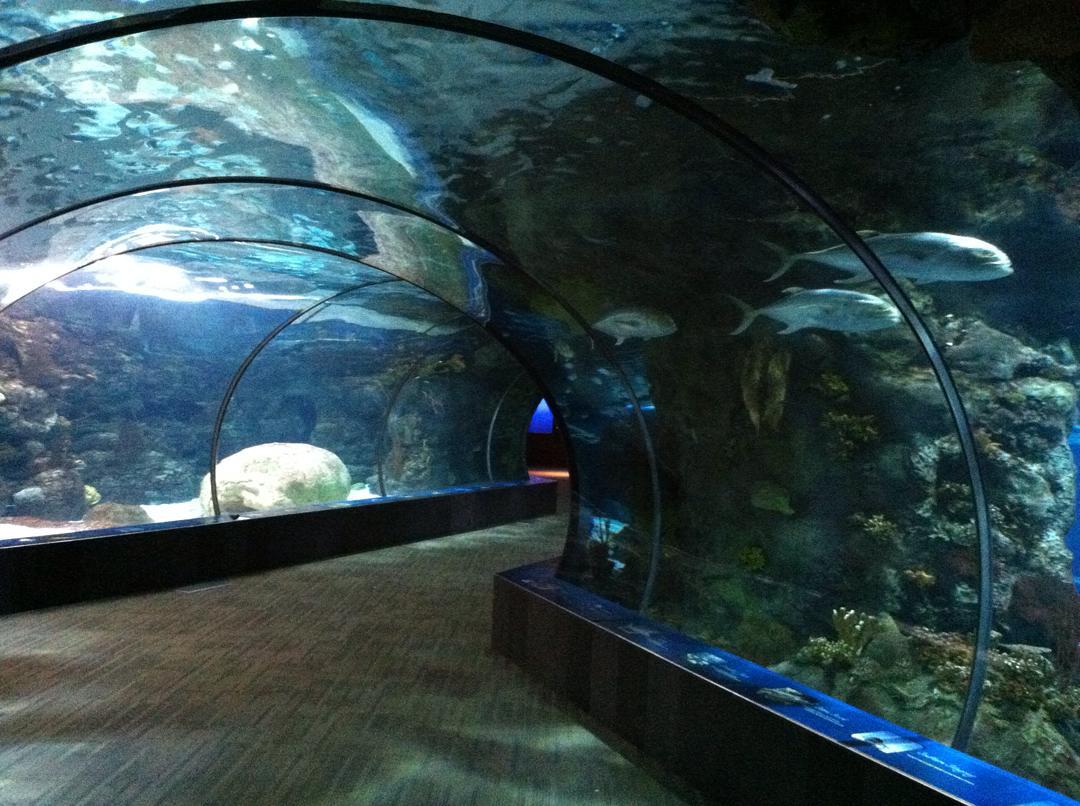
635 323
823 308
924 257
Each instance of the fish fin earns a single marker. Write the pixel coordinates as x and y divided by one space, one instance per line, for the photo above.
795 289
924 280
787 260
867 233
748 315
620 340
854 279
788 329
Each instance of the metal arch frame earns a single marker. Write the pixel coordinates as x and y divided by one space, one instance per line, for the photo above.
673 101
391 404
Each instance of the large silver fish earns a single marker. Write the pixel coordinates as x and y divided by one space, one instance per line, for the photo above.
635 323
825 308
925 257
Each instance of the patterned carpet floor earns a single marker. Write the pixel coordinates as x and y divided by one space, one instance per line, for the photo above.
365 679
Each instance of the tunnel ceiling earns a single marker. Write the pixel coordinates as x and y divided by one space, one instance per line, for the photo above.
657 275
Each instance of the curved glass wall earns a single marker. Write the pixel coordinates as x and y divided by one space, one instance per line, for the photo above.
762 451
465 376
134 353
508 428
117 371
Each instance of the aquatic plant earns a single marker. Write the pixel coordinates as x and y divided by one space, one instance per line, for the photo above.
854 628
1017 676
831 385
770 497
988 446
826 653
752 558
877 527
850 432
854 631
1021 678
763 639
1064 705
946 655
954 500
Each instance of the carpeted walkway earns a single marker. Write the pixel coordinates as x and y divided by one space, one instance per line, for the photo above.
366 679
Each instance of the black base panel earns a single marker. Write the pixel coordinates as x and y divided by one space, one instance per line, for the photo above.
727 748
81 568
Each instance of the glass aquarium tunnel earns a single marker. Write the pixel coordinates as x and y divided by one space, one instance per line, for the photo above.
212 349
367 230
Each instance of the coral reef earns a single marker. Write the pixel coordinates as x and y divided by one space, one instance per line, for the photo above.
854 628
878 528
850 432
915 676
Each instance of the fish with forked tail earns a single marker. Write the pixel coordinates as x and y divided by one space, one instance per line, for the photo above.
924 257
635 323
824 308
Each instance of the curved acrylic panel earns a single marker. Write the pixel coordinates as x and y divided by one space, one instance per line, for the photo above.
272 210
195 101
319 386
866 126
591 26
508 428
801 473
116 371
684 230
464 375
402 245
329 379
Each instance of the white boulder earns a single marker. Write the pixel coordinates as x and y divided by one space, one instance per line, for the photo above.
276 475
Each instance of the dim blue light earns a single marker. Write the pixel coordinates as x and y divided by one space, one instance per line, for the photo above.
542 420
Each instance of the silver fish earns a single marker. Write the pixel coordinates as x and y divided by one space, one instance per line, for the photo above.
825 308
925 257
635 323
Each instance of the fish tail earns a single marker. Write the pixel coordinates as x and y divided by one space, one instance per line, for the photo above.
787 260
748 315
